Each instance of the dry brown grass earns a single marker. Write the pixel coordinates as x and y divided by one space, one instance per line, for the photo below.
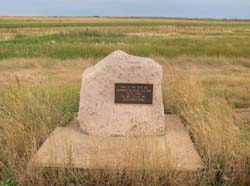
42 71
28 115
103 19
154 30
146 31
213 128
36 95
226 78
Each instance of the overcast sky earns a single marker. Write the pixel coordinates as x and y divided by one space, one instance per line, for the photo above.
239 9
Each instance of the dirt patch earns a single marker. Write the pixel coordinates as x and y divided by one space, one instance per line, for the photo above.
244 114
152 34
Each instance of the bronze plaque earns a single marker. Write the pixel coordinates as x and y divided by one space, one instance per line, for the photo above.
130 93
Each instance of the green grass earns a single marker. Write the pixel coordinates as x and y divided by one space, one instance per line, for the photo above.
88 44
7 182
29 112
117 23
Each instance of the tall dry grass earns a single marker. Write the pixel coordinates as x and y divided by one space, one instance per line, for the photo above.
213 128
29 114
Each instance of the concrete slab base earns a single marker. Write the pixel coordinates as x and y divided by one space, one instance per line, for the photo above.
69 147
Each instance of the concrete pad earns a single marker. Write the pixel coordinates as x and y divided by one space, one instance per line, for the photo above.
69 147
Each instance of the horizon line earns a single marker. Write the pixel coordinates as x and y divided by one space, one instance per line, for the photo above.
135 17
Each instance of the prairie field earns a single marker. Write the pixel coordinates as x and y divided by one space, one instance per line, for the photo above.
206 66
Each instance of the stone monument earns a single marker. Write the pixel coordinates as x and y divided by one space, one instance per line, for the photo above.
121 122
122 96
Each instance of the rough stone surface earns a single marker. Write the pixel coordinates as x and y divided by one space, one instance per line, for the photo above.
70 147
100 116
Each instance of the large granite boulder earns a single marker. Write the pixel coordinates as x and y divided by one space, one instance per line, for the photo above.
122 96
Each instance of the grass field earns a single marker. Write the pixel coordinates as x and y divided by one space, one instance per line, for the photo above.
206 67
